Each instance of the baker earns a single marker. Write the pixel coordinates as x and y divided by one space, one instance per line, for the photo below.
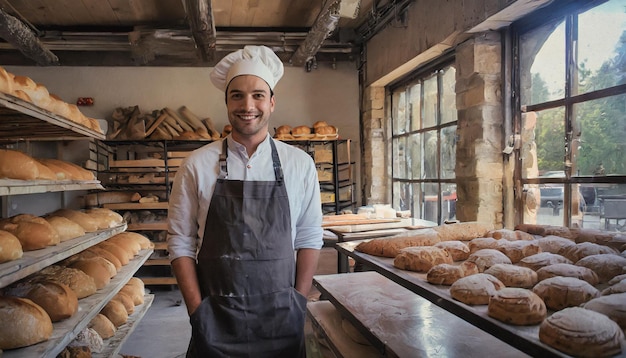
244 224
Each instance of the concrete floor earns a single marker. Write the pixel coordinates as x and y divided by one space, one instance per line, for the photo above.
164 331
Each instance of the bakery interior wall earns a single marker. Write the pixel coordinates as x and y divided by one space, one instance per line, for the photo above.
302 98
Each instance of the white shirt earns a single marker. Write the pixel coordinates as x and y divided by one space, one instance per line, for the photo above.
196 178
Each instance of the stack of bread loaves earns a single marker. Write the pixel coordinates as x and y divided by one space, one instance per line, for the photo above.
26 89
320 130
18 165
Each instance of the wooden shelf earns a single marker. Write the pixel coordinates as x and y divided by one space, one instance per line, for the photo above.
20 187
160 245
159 280
137 206
21 120
88 307
33 261
157 262
148 226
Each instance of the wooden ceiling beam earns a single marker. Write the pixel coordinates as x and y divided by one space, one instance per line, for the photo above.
22 38
200 16
324 25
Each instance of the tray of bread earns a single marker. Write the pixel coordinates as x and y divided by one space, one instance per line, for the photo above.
546 290
320 131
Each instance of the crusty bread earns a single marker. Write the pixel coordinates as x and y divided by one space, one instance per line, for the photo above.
17 165
475 289
560 292
66 228
97 268
126 300
578 251
464 231
486 258
510 235
144 242
105 218
513 276
77 280
421 258
582 333
447 274
135 288
537 261
458 250
128 244
72 171
612 239
617 279
480 243
114 310
108 255
103 326
390 247
10 247
300 130
517 306
326 130
517 250
56 298
616 288
613 306
319 124
606 266
568 270
284 129
23 323
6 81
554 244
33 234
122 253
88 223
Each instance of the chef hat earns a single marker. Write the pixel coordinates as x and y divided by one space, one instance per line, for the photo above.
259 61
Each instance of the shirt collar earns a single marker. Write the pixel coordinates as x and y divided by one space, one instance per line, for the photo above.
240 149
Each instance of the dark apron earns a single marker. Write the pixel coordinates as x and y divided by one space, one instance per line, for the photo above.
246 272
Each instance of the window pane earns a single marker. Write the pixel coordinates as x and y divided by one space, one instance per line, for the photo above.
600 50
430 202
448 96
415 103
400 159
612 201
399 113
542 64
602 145
448 152
431 169
402 196
415 160
448 202
550 140
416 204
543 204
430 102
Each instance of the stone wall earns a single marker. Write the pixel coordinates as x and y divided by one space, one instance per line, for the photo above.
374 167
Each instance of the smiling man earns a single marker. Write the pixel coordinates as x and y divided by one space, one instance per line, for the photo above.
239 209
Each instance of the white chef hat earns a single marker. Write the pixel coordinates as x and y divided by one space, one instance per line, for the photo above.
259 61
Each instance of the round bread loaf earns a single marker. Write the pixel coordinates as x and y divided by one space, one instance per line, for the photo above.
560 292
97 267
513 276
122 254
10 247
326 130
57 299
300 130
517 250
135 289
554 244
284 129
458 250
482 243
126 300
537 261
114 310
517 306
584 249
475 289
33 235
66 228
582 333
319 124
23 323
510 235
613 306
87 222
568 270
617 288
601 237
78 281
103 326
421 258
485 258
444 274
606 266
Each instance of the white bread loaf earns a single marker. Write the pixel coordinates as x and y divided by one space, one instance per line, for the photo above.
126 300
17 165
458 250
517 306
87 222
475 289
24 323
66 228
122 253
33 234
136 289
465 231
105 218
114 310
71 170
617 279
510 235
612 239
10 247
513 276
617 288
560 292
421 258
582 333
103 326
108 255
126 242
144 242
517 250
96 267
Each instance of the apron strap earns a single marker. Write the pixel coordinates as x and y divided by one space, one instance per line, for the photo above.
222 160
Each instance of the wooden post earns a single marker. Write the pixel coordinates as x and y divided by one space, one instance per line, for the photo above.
20 36
200 16
325 23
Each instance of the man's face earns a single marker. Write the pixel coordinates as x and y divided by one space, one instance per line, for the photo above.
249 103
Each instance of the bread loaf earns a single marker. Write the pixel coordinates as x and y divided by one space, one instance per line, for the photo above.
462 231
537 261
45 173
126 300
78 281
606 266
23 323
105 218
114 310
617 288
71 170
560 292
135 288
568 270
578 251
612 306
390 247
97 268
486 258
475 289
10 247
513 276
103 326
612 239
458 250
510 235
517 306
517 250
554 244
617 279
480 243
57 299
582 333
66 228
6 81
17 165
144 242
127 242
108 255
421 259
447 274
87 222
532 229
33 235
122 253
300 130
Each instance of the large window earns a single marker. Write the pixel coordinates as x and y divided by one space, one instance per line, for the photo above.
424 121
571 74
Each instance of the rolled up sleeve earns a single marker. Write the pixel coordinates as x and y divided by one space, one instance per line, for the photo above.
182 224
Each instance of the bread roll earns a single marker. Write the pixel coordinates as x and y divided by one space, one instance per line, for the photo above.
568 270
486 258
227 129
421 259
554 244
319 124
578 251
510 235
97 268
77 280
57 299
617 288
475 289
10 247
390 247
480 243
326 130
284 129
606 266
517 306
537 261
517 250
582 333
103 326
462 231
300 130
23 323
513 276
87 222
17 165
613 306
560 292
114 310
447 274
66 228
458 250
